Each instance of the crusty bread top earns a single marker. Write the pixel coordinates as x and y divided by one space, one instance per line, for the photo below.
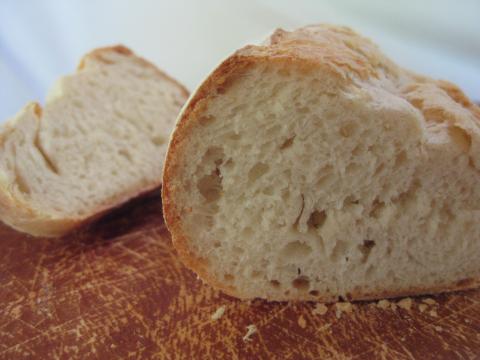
352 63
80 108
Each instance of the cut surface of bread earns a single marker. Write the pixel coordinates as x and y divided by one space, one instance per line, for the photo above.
314 168
99 141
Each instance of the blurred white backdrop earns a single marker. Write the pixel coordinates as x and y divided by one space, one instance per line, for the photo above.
41 40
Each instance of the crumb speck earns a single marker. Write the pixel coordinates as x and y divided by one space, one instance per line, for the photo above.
251 329
342 307
429 301
405 303
302 322
383 304
467 321
218 313
422 307
393 306
433 313
438 328
320 309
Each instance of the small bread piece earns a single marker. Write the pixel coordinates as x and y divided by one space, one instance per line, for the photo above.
313 168
99 141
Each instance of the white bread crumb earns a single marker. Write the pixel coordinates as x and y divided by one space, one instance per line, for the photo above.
405 303
218 313
393 306
433 313
302 322
320 309
438 328
251 329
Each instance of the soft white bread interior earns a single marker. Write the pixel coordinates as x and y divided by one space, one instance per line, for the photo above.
99 141
313 168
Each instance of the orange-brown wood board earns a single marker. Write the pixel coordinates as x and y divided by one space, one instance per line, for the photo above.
118 290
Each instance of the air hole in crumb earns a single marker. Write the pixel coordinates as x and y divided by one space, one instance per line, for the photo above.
317 219
275 283
338 250
257 171
126 154
379 169
255 274
352 168
268 190
233 136
376 209
210 186
460 137
228 164
366 248
350 200
238 250
158 140
314 292
400 159
287 143
206 119
347 130
217 244
357 150
22 185
247 232
228 277
301 283
296 251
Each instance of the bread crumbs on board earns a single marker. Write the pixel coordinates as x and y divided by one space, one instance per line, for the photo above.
251 329
405 303
429 301
422 307
383 304
343 307
218 313
320 309
302 322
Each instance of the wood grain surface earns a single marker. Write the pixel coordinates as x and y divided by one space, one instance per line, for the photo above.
117 290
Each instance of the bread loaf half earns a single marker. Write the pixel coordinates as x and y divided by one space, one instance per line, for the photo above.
99 141
312 168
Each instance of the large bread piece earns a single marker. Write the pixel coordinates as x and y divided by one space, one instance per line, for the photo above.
99 141
314 168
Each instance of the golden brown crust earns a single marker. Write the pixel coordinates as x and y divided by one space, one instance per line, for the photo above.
339 51
21 216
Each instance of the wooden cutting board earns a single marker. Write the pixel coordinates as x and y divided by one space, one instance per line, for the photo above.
118 290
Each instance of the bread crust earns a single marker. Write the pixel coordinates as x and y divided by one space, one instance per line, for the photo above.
308 48
20 215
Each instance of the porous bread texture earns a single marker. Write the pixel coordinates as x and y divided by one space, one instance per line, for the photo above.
99 141
314 168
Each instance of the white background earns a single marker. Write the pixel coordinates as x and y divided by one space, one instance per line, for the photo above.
42 39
